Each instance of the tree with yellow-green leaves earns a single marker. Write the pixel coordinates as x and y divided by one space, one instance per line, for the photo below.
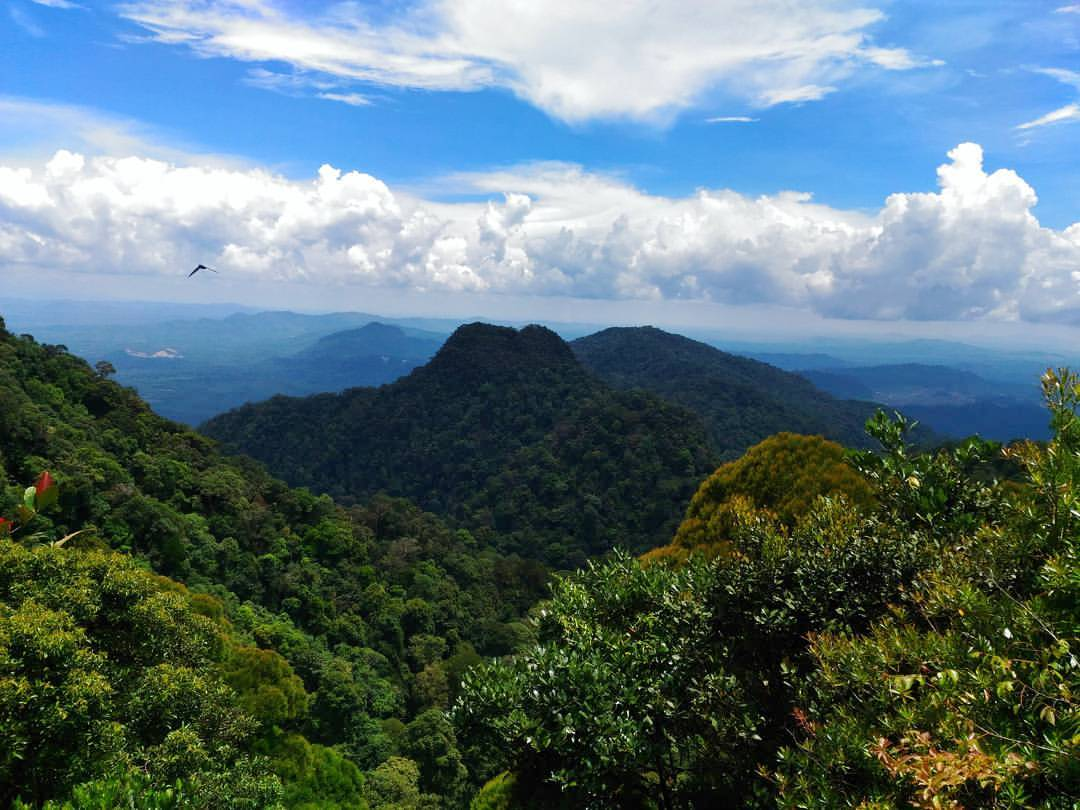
778 479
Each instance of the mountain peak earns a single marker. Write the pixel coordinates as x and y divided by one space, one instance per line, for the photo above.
491 349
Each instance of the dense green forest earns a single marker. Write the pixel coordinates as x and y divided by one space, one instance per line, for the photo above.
826 628
364 618
503 432
916 649
741 400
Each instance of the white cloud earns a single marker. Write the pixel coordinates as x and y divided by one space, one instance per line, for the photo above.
795 95
64 4
303 83
731 119
1070 112
27 23
1070 9
575 59
33 130
971 250
352 99
1069 77
897 59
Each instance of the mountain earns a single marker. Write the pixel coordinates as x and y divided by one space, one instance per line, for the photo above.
951 401
371 340
193 370
742 401
998 359
505 432
916 384
347 630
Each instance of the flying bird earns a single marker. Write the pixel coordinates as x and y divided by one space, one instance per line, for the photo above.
201 267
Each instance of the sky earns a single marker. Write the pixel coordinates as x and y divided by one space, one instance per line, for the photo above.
816 164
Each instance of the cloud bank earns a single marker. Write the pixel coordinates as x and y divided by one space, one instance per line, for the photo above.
970 250
575 59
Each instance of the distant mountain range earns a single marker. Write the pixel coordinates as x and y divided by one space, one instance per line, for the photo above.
950 401
192 370
191 362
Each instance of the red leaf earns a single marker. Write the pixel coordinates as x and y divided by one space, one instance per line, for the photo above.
44 483
5 527
46 492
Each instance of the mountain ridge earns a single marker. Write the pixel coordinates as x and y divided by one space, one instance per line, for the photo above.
743 401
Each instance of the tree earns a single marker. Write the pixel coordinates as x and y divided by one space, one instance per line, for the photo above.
105 667
783 475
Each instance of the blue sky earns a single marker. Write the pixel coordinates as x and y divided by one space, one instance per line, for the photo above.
539 154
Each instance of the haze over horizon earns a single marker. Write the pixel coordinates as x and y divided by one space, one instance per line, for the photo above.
857 168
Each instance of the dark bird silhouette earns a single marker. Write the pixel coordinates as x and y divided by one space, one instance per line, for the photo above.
201 267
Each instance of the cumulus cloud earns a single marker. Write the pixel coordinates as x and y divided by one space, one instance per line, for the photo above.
575 59
971 249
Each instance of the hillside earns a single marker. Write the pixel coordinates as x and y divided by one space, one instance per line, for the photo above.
503 431
742 401
376 611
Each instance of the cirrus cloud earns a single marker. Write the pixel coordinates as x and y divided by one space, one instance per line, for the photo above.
973 249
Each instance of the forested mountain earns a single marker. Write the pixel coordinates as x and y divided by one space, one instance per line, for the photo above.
312 644
741 400
505 433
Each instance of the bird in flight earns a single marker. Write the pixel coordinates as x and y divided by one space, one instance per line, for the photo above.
201 267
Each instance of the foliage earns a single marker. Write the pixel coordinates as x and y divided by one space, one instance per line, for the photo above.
664 686
936 493
918 652
967 693
324 603
505 433
900 633
105 668
130 790
783 475
395 785
497 794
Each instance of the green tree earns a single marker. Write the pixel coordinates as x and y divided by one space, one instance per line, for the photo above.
105 667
